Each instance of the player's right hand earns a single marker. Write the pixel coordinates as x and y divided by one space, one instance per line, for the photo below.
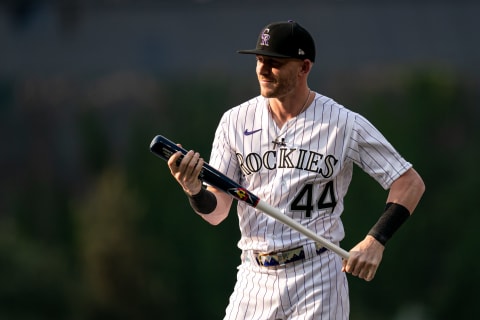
186 170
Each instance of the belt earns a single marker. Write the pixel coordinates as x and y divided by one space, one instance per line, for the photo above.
281 258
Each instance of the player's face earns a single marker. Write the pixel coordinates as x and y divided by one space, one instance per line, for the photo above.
277 76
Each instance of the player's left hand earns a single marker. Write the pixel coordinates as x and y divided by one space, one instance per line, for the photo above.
364 259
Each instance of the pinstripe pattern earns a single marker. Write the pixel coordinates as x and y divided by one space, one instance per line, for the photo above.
306 179
308 290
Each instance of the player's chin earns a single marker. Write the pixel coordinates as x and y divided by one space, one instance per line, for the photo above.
267 90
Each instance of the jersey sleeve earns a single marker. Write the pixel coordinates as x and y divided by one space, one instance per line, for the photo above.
223 157
371 151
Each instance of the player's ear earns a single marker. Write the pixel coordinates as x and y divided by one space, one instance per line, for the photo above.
306 66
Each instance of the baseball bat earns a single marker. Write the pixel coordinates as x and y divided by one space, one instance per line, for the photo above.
164 148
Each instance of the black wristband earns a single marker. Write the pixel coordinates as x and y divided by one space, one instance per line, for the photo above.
204 201
392 218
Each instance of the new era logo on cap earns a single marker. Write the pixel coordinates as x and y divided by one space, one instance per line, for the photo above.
284 40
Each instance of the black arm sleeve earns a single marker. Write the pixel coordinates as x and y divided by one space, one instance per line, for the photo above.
204 201
392 218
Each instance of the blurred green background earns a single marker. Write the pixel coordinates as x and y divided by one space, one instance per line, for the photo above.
92 226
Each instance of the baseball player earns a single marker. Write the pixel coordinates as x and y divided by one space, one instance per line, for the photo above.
296 148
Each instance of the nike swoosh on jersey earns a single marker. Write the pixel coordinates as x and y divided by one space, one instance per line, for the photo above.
247 133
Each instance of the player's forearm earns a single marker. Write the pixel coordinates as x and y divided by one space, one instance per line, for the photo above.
404 195
221 210
407 190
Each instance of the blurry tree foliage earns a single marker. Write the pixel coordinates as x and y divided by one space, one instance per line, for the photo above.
93 226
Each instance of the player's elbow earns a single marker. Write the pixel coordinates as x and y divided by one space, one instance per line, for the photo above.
421 186
418 184
216 222
214 218
407 190
417 188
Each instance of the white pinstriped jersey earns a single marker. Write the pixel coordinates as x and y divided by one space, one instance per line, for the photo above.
306 176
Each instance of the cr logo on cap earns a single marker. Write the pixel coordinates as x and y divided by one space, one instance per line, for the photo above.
265 37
